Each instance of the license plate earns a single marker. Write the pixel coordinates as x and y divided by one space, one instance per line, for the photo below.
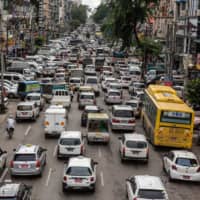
135 152
24 113
186 177
78 180
24 166
70 149
123 121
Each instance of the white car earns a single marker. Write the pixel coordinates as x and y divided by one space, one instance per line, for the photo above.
70 143
136 105
125 81
113 97
122 118
37 98
27 110
144 187
106 81
79 173
93 81
133 147
182 165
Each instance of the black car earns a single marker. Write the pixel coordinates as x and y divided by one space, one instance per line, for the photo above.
15 191
88 109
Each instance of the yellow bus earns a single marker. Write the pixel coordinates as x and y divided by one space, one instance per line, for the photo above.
166 119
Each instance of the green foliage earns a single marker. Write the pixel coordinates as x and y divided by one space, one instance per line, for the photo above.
78 15
150 47
124 18
193 92
39 41
101 13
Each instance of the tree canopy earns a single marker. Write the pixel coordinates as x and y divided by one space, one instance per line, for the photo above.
124 18
78 15
193 92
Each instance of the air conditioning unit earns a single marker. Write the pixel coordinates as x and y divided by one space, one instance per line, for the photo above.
198 12
183 12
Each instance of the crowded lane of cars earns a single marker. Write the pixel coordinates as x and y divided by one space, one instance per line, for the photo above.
88 135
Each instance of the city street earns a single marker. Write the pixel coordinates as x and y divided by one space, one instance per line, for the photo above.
111 173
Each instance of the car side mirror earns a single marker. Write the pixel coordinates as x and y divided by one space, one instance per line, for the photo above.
119 138
96 163
14 149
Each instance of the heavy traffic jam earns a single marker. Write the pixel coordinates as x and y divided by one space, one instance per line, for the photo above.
89 124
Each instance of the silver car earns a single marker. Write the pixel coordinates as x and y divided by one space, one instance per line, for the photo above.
28 159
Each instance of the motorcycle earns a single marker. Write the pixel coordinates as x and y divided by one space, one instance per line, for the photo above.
10 132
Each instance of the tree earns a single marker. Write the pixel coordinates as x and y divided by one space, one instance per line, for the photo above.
124 18
78 15
101 13
193 92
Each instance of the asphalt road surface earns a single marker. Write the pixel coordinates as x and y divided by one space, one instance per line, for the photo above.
111 173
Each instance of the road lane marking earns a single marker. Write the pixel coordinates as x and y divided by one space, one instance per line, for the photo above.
102 179
99 152
27 131
48 177
55 150
4 174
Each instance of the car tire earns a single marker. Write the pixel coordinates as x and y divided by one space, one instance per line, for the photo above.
63 188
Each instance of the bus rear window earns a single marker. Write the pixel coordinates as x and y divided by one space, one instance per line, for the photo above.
176 117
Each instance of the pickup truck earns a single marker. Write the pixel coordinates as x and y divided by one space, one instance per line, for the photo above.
61 97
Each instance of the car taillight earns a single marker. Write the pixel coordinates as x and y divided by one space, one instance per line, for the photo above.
174 167
124 151
135 198
198 170
81 149
62 123
91 179
37 163
11 164
64 178
115 121
131 121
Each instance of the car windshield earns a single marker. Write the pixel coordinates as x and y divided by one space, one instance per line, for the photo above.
23 108
79 171
187 162
24 157
98 126
114 93
70 141
86 97
138 86
127 79
136 144
92 80
123 113
151 194
33 98
75 81
134 105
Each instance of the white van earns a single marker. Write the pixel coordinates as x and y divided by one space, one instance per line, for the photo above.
135 73
54 121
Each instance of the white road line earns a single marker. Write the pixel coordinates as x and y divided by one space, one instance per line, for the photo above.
27 131
48 177
102 179
55 150
99 152
4 174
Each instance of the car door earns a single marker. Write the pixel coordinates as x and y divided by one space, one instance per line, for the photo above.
131 188
168 160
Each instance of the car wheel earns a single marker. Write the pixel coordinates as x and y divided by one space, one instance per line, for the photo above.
40 174
63 188
11 96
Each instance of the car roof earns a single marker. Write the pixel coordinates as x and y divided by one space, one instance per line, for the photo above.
79 161
27 148
103 116
122 107
91 107
114 90
87 93
26 103
134 136
34 94
132 101
70 134
149 182
184 153
9 189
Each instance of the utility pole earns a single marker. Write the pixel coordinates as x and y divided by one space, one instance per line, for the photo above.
2 106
